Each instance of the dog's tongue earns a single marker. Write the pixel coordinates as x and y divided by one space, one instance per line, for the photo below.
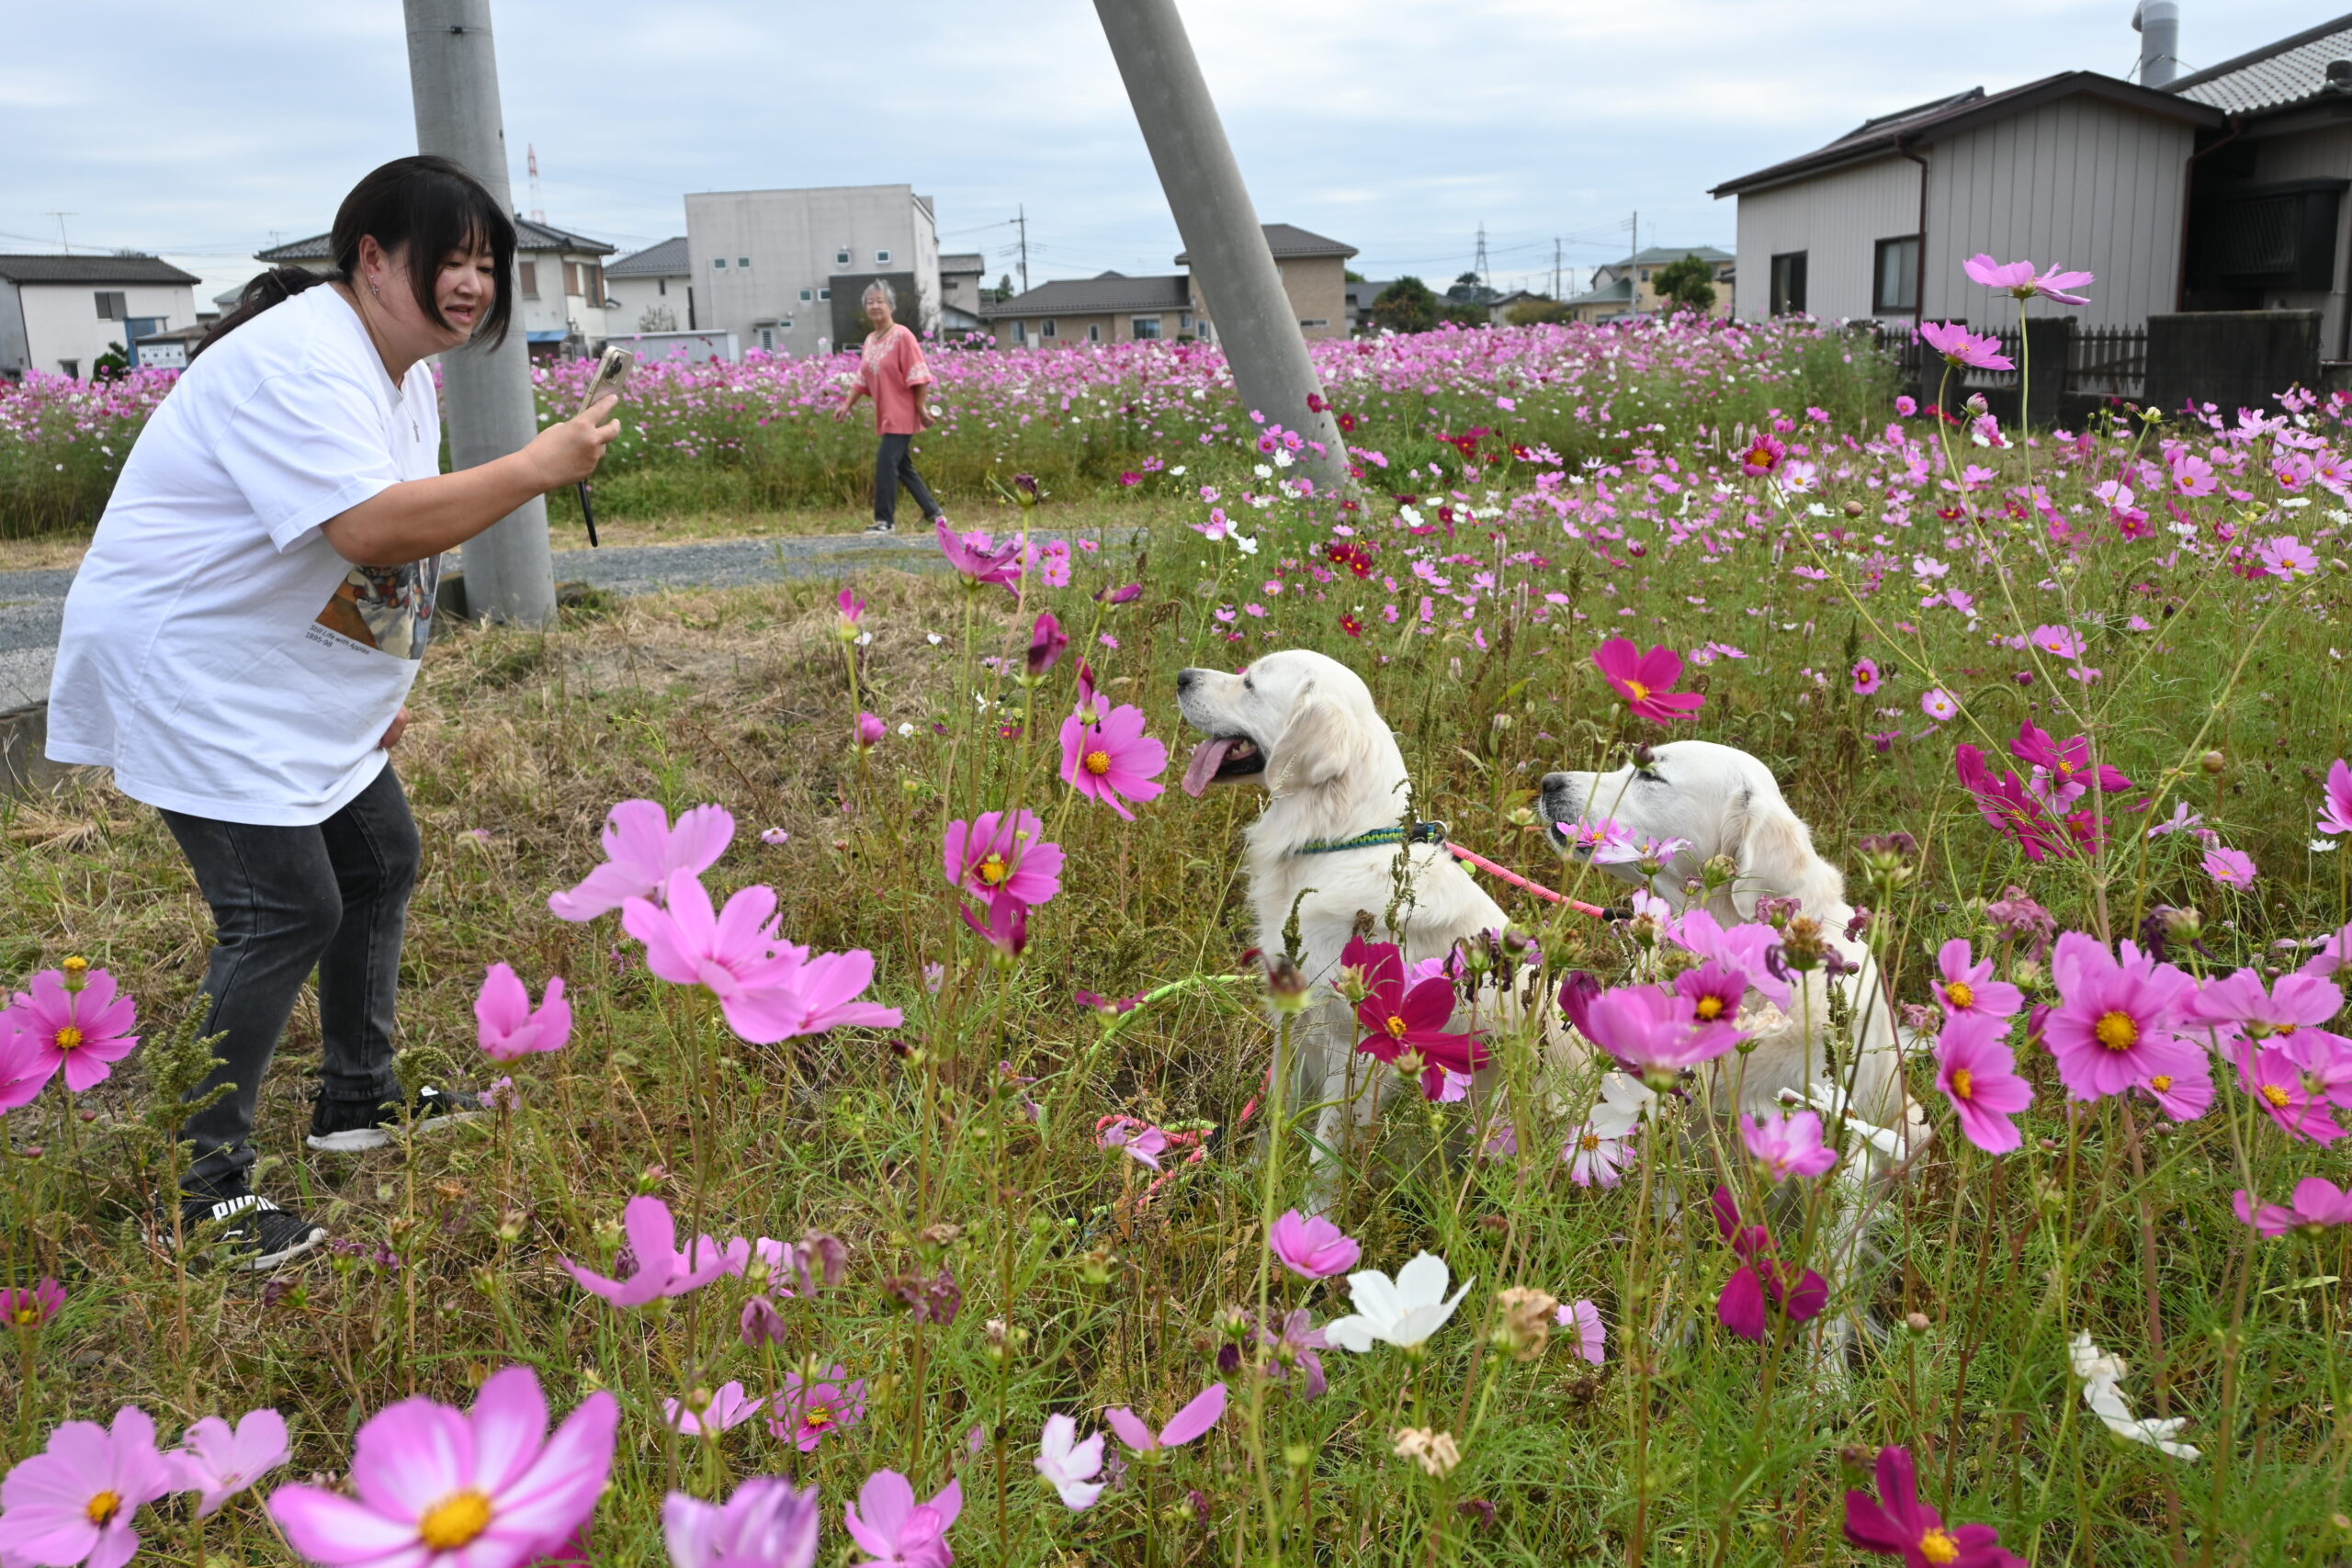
1207 757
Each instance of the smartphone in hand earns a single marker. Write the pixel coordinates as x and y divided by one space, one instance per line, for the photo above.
611 371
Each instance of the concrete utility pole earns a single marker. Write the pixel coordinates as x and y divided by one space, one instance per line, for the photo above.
1219 224
453 75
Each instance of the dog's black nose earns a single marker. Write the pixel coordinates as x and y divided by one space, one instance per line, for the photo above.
1185 679
1555 783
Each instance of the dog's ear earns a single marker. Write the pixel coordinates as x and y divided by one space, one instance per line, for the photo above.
1777 859
1319 744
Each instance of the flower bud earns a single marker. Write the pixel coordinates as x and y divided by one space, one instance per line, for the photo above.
77 973
1523 1321
1352 985
1917 1323
1286 984
2212 762
1719 871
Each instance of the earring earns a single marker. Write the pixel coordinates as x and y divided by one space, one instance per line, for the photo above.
373 289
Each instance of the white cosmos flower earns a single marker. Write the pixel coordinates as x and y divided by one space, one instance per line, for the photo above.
1624 1100
1068 1465
1402 1312
2100 1374
1249 545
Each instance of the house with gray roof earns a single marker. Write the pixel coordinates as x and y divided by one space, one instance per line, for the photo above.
60 313
561 306
1114 307
652 290
1629 288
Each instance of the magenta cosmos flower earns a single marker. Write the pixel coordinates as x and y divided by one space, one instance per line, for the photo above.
2294 1003
1654 1031
1962 349
1963 985
728 1409
76 1502
643 852
654 1266
734 955
2018 277
31 1306
1761 1282
765 1525
218 1462
1976 1070
805 1414
2336 811
892 1529
510 1026
993 854
1786 1145
2228 867
2319 1203
2288 1093
1396 1017
440 1488
1207 1409
1764 455
981 559
1647 680
1112 759
1312 1248
2116 1023
1896 1524
76 1023
1866 677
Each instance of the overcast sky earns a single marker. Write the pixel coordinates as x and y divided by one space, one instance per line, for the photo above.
206 131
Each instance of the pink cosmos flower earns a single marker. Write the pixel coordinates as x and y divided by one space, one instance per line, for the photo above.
1763 455
2318 1204
2191 475
1113 761
1205 1411
1047 642
2181 1096
728 1409
768 988
643 852
1312 1248
765 1525
1896 1524
870 731
1592 1334
76 1502
1976 1070
2069 761
1655 1031
894 1530
2115 1023
2288 557
1964 350
2018 277
77 1024
805 1414
1647 680
1906 405
2335 813
1593 1158
440 1489
1866 677
31 1306
1761 1279
661 1269
219 1462
510 1027
2231 868
1746 948
1786 1145
1142 1144
981 560
2285 1093
1939 704
1004 925
1969 988
992 855
2295 1002
24 1070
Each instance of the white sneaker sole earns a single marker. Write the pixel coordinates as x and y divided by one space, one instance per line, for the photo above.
265 1261
359 1140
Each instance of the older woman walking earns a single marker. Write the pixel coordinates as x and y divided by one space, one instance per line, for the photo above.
892 371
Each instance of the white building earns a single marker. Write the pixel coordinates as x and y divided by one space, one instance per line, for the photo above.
783 269
61 313
559 295
652 291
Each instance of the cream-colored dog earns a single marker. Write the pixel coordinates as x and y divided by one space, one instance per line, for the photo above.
1305 726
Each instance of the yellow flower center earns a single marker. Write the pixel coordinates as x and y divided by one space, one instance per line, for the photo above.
993 871
1637 689
454 1521
2117 1031
1098 762
103 1507
1710 1008
2064 766
1963 1084
2160 1083
1938 1546
1590 1143
2277 1096
1961 994
817 1417
68 1037
1396 1027
2284 1028
28 1316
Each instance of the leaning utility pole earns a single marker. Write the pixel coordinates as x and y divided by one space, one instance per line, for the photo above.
1023 221
453 76
1219 224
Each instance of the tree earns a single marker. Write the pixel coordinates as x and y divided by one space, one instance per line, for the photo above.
657 318
1465 287
1405 305
1528 313
1352 276
1687 285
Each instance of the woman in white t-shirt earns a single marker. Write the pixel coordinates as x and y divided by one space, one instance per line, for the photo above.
240 636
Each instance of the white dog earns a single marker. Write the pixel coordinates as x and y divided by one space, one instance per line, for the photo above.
1306 726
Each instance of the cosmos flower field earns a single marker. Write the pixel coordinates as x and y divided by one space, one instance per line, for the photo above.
893 1176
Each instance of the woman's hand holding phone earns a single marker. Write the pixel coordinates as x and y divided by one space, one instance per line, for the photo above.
568 451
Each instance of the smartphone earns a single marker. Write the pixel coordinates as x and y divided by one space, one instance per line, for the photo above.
611 371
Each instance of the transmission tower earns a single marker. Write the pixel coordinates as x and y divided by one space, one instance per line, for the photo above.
531 160
1479 266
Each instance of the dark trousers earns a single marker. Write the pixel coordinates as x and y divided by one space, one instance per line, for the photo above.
332 897
894 466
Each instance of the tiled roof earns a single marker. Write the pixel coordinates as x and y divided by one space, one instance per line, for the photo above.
1287 241
91 269
1662 256
667 259
2271 77
1097 296
528 236
963 263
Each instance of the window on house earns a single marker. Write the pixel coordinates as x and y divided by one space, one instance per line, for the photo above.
768 338
70 368
1095 332
1787 284
1896 272
718 263
807 295
571 284
112 307
743 263
1021 332
596 290
1208 331
824 294
1185 322
1315 321
1045 328
881 258
841 258
530 271
660 286
1645 274
1145 327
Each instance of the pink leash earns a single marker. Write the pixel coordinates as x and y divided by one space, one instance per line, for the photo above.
1491 869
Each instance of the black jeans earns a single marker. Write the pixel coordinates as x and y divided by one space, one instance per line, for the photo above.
894 466
333 897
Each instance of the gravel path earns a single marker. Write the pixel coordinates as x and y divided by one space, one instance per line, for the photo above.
32 603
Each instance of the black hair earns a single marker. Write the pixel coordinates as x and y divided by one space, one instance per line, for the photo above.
426 204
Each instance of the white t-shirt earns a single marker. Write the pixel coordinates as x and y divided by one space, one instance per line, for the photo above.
217 653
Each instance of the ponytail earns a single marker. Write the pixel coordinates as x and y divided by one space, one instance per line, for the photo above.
275 287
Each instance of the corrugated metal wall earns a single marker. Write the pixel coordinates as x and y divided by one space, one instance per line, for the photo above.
1837 219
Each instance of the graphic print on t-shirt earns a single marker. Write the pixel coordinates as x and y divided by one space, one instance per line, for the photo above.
388 608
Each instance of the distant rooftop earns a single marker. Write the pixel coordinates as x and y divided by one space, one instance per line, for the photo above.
667 259
1288 241
528 236
963 263
91 269
1098 296
2275 76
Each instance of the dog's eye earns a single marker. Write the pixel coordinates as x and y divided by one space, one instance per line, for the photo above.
1247 685
1650 777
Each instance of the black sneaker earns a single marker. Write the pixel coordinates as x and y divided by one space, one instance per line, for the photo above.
879 526
354 1126
254 1234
